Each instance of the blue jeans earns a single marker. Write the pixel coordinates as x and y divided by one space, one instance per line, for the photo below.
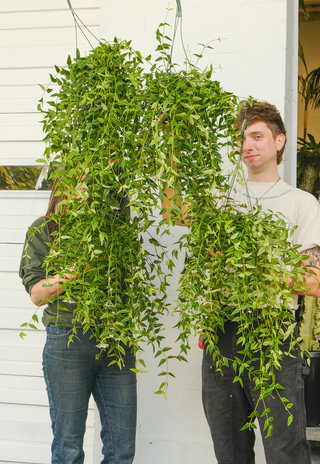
72 373
227 406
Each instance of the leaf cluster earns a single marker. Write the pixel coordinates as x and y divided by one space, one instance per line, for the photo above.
116 135
235 271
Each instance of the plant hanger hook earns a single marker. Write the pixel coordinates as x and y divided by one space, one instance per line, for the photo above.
77 22
176 25
179 9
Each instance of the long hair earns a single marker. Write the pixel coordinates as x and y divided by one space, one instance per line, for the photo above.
53 207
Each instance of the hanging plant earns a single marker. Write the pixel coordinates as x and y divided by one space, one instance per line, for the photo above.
237 260
93 135
105 141
242 282
105 136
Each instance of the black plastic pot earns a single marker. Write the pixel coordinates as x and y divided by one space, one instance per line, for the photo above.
312 391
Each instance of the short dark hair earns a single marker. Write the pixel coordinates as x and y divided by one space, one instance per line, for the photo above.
257 111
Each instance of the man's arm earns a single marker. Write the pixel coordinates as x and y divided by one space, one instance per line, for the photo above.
312 280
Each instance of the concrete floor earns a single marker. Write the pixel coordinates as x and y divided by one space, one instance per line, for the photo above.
315 456
313 435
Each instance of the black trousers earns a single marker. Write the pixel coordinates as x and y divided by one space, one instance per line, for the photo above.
227 406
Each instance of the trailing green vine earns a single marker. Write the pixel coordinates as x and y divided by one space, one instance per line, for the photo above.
237 260
244 284
92 128
105 138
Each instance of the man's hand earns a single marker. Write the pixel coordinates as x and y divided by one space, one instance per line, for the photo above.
312 279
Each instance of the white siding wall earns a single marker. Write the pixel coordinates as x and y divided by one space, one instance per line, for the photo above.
34 36
25 433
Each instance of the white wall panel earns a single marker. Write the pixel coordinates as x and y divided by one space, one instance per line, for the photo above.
43 19
34 36
36 5
46 55
20 368
9 280
15 298
20 223
12 319
30 452
23 414
17 127
42 432
14 236
16 354
29 76
10 337
22 396
43 37
23 203
20 99
26 92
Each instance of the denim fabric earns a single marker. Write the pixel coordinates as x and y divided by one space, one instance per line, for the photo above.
227 406
72 373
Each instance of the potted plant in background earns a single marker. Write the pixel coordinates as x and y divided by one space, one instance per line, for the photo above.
308 170
308 163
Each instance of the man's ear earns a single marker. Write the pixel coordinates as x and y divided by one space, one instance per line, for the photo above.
280 141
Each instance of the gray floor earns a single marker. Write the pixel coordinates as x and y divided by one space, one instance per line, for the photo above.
313 436
315 456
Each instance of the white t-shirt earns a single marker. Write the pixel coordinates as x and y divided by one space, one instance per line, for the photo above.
297 206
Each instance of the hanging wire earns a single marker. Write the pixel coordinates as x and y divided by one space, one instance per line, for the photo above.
178 19
77 22
233 178
90 32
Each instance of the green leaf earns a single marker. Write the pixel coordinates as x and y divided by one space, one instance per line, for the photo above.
162 361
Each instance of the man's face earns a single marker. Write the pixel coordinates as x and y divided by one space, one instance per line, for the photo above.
260 148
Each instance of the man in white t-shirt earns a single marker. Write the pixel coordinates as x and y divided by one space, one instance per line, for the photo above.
227 404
